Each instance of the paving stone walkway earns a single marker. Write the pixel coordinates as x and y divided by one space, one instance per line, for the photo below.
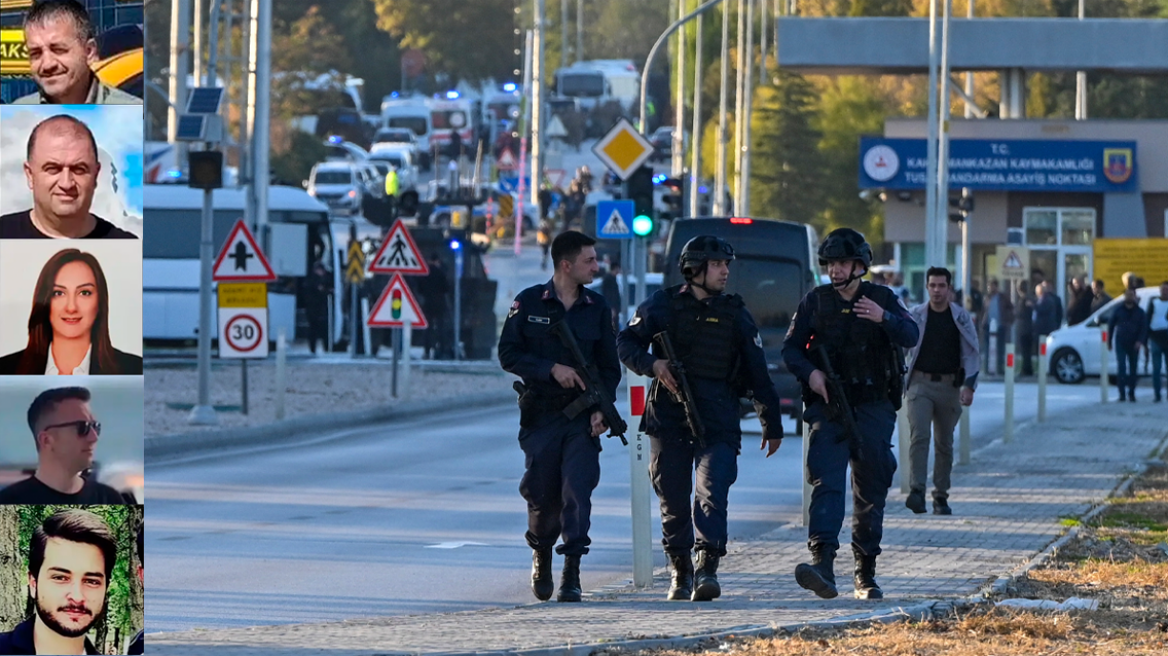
1008 506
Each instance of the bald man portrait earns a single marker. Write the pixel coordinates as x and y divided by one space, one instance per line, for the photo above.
62 48
61 168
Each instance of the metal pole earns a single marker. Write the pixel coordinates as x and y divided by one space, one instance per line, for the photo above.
719 193
642 266
528 49
626 262
963 438
458 301
762 41
1008 435
394 340
639 491
695 174
1081 82
563 33
942 235
739 80
281 372
579 30
1104 365
243 384
213 45
657 46
743 208
407 339
1041 378
203 414
536 108
197 42
934 225
353 312
678 157
263 109
180 39
969 77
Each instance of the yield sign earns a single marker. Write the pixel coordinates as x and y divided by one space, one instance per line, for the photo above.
396 307
399 253
623 149
506 161
240 259
555 177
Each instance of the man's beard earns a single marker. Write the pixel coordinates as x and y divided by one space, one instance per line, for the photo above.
59 628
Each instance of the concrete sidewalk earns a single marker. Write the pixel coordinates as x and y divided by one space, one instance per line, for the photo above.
1008 506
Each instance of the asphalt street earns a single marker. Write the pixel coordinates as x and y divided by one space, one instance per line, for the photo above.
413 517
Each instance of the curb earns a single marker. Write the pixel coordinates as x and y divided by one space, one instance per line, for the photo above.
160 447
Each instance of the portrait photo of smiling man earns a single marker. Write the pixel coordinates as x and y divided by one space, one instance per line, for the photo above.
70 311
63 171
62 49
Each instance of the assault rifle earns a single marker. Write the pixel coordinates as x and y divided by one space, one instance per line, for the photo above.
594 392
838 408
685 395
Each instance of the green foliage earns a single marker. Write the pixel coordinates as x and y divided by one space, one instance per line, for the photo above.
119 602
294 164
464 40
881 8
786 169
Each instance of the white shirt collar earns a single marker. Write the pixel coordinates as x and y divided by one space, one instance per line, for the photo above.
80 370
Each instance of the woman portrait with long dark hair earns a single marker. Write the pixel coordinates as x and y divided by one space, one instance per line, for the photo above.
68 327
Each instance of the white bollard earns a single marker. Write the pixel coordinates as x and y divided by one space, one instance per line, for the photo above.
281 357
1008 434
992 348
903 444
1042 378
807 488
1104 361
639 484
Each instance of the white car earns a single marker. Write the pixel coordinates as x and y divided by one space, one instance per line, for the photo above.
340 185
1075 351
400 159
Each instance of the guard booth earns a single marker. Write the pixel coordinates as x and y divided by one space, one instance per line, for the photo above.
479 333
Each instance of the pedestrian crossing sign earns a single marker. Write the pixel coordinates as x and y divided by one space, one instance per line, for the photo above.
399 254
613 218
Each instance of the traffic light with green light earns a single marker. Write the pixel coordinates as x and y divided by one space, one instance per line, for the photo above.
639 189
642 225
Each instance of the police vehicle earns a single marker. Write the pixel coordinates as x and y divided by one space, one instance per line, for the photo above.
775 266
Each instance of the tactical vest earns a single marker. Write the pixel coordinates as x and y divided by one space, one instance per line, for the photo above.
705 334
860 351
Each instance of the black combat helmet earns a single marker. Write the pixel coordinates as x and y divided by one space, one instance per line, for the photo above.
702 249
845 244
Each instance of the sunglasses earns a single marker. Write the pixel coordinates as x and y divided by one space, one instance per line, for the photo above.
82 427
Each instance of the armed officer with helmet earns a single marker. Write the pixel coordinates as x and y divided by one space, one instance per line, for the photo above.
860 328
716 341
562 452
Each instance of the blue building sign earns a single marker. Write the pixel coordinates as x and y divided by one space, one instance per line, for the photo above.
1004 165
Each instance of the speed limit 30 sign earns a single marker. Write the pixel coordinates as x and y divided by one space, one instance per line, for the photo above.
243 320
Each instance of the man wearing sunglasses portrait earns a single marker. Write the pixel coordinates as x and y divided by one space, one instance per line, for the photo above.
66 435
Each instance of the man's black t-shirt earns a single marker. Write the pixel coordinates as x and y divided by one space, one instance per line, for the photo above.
19 225
33 491
941 346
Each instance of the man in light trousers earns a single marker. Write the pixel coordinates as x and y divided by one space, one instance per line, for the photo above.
943 369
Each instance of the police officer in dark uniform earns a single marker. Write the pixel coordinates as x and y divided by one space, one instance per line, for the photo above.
562 453
860 326
718 344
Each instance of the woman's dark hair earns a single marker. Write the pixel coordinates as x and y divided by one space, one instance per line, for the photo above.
40 328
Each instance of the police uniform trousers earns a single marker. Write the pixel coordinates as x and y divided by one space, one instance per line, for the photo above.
562 462
673 462
933 402
873 466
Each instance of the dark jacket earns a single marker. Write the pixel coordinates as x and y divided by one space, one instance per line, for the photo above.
1005 311
1128 325
1078 305
1099 301
717 400
19 640
1048 314
126 364
528 349
137 646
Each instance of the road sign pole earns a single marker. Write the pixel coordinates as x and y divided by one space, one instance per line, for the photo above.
243 385
395 342
281 372
203 414
353 320
458 301
626 262
642 265
406 344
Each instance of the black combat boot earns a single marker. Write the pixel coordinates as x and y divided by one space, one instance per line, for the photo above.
706 578
915 501
542 583
681 585
818 577
865 578
570 580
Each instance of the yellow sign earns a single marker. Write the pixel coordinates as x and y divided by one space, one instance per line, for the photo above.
1013 262
506 207
355 269
13 53
1147 258
15 4
623 149
243 295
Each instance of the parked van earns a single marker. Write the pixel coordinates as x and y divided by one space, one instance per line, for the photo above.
775 265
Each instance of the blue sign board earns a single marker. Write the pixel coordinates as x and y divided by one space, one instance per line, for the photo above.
1004 165
614 219
510 184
